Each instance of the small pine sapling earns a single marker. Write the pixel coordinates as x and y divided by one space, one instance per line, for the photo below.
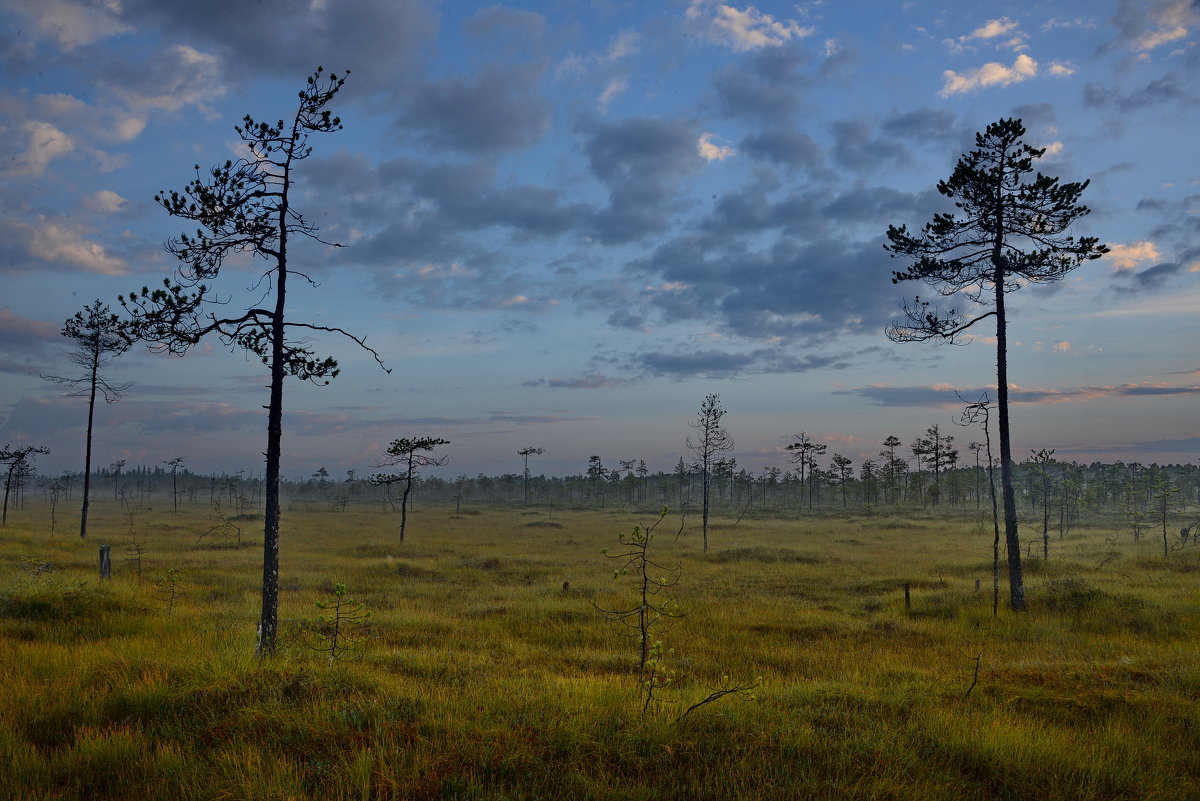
169 589
653 608
339 631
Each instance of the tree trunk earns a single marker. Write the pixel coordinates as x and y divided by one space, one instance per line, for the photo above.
1016 580
87 453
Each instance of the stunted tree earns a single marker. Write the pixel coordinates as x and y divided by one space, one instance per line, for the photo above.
409 454
707 446
1009 230
842 472
17 459
245 207
525 453
804 454
99 337
1043 463
175 464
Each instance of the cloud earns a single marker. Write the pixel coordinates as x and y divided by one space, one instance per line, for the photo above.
990 74
642 161
929 126
1127 257
105 201
1060 69
724 364
586 381
785 147
72 24
712 152
1145 25
946 396
388 36
497 109
173 78
765 86
1159 91
743 29
58 243
992 29
615 88
25 344
858 147
45 143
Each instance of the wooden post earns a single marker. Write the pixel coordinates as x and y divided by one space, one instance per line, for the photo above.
976 585
105 563
907 597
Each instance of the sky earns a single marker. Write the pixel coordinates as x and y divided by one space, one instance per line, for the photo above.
565 223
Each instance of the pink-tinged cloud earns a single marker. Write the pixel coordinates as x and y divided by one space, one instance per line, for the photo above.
941 396
991 74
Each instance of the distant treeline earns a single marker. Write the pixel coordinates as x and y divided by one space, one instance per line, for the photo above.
1066 490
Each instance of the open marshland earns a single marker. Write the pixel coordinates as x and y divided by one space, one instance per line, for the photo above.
485 670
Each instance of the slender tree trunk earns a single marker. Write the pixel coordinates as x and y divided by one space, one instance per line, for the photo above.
704 501
408 479
87 453
7 487
1016 580
269 620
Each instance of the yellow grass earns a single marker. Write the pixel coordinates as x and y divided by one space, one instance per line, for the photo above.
480 674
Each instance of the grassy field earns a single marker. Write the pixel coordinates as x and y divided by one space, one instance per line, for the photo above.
485 671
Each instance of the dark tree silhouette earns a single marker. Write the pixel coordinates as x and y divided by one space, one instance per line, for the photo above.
99 337
245 206
525 453
710 442
406 452
1009 231
804 454
17 460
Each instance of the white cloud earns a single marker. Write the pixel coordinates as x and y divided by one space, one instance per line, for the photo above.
71 23
616 87
745 29
1168 22
990 74
992 29
60 244
105 201
1128 257
1053 150
625 44
185 77
1061 69
45 143
712 152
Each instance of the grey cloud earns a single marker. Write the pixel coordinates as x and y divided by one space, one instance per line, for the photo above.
586 381
925 125
378 40
856 146
497 109
508 30
1157 92
26 344
642 162
785 147
765 86
722 364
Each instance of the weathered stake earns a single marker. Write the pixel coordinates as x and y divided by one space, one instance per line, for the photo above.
105 563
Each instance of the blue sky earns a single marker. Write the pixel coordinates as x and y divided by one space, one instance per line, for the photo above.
569 221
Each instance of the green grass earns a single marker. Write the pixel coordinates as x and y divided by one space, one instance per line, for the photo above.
485 671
